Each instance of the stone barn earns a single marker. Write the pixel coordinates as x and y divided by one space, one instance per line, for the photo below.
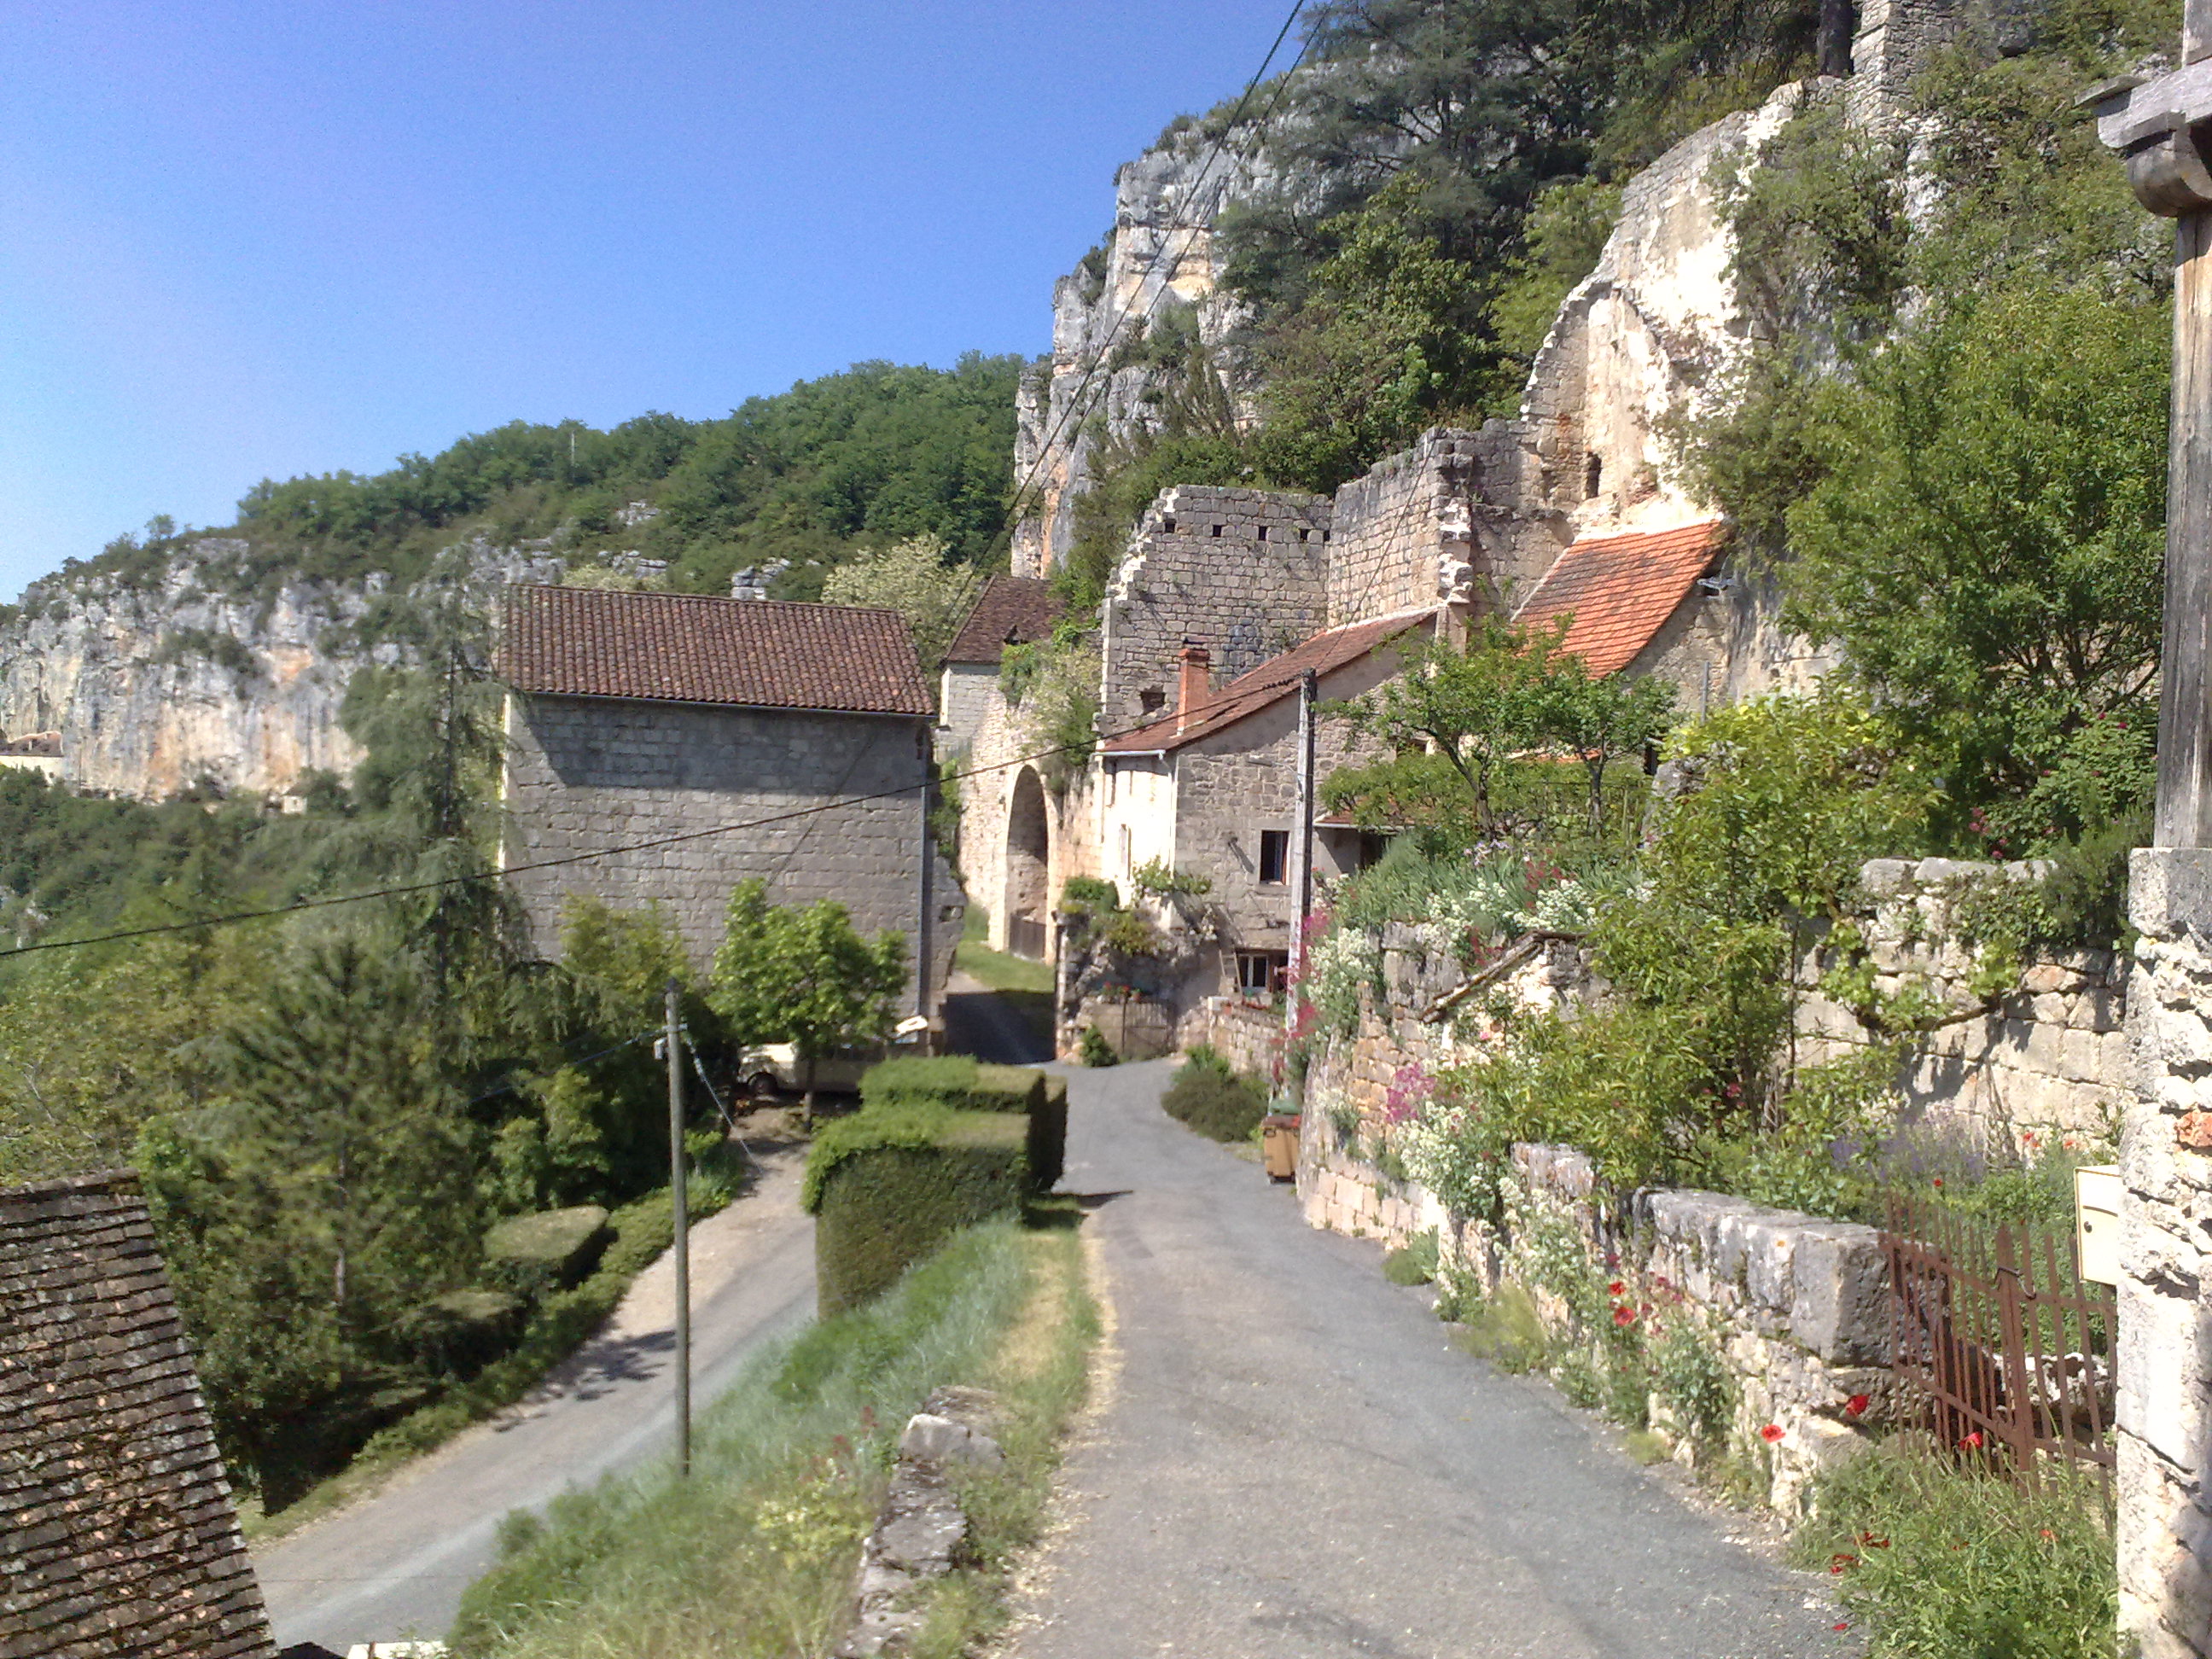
683 744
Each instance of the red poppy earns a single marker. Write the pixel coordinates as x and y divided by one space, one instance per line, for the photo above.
1972 1441
1840 1560
1856 1404
2047 1533
1839 1627
1939 1184
1770 1433
1615 1289
1872 1542
1624 1316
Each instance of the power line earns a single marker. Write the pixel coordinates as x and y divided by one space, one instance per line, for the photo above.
405 889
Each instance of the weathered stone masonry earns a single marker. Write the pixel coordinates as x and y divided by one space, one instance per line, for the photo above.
586 774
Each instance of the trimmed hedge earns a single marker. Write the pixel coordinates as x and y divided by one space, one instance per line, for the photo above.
962 1084
1214 1100
550 1250
890 1184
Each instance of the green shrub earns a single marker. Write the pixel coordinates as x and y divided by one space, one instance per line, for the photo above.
1094 1050
1506 1330
551 1250
1941 1560
1214 1100
890 1184
966 1085
1414 1265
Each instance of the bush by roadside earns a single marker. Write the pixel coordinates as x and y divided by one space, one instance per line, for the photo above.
1945 1562
755 1554
1207 1095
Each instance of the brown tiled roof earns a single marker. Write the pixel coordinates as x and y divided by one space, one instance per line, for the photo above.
1270 683
1011 611
33 743
120 1536
688 647
1620 590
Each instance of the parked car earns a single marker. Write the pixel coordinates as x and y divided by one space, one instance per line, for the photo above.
774 1068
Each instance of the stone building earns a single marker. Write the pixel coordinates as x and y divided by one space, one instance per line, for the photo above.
120 1538
35 751
675 745
1010 610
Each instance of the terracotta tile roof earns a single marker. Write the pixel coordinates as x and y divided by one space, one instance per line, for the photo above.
1271 682
33 743
687 647
121 1536
1621 590
1013 610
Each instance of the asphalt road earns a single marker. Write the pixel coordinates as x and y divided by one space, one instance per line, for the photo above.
395 1564
1291 1461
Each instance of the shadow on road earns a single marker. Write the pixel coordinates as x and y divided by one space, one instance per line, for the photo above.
1012 1028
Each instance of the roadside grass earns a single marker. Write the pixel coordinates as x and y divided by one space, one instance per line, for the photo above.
563 1322
755 1554
1942 1561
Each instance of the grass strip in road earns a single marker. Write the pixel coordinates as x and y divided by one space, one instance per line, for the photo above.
755 1554
561 1323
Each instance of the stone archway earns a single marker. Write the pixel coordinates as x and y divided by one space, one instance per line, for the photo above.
1028 847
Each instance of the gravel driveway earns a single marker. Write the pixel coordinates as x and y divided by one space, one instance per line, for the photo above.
1291 1460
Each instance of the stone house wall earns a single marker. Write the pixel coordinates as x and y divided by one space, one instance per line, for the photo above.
2163 1410
1243 572
584 773
966 693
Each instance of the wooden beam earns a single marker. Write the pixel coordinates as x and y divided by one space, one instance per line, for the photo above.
2184 718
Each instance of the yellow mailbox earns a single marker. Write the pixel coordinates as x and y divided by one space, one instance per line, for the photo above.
2097 1222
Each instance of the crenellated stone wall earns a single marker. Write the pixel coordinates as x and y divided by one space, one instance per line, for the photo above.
1244 572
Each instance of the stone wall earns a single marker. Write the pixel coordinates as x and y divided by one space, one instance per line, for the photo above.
1243 572
2044 1065
586 774
2164 1405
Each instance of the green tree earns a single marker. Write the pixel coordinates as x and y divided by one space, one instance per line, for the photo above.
912 578
805 976
1600 721
1480 707
1987 546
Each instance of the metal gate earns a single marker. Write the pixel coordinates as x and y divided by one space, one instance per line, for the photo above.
2008 1351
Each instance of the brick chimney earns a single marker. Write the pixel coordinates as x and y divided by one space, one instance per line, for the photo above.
1194 685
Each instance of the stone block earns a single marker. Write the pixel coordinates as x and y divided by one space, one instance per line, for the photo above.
1887 877
1839 1293
2166 1348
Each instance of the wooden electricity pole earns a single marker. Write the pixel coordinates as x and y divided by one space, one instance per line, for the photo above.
680 1246
2159 127
1302 842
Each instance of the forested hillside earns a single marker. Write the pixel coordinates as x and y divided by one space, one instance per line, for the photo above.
878 454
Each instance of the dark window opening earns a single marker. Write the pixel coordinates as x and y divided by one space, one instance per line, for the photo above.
1593 475
1263 532
1262 972
1217 529
1373 844
1324 535
1274 856
1167 525
1151 700
1305 535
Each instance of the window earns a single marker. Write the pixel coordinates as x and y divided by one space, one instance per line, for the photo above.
1263 532
1217 529
1261 972
1274 856
1167 525
1372 846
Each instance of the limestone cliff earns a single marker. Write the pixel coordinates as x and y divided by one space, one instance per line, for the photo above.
1161 253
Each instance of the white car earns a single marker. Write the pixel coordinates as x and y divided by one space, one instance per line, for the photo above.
775 1068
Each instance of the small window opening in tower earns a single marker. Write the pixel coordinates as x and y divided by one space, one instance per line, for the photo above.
1167 525
1593 475
1263 532
1217 529
1305 535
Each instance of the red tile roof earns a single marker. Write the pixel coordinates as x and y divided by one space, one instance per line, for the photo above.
1621 590
688 647
1011 611
1270 683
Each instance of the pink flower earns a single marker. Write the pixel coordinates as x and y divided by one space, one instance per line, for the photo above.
1770 1433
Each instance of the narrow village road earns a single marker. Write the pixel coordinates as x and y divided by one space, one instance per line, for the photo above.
396 1565
1291 1461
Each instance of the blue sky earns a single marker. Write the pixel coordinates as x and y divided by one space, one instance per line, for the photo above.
250 239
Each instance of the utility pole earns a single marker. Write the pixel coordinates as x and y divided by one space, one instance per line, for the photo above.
925 897
1302 842
680 1247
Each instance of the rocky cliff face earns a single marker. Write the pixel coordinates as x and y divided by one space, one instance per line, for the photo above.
1161 254
159 686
